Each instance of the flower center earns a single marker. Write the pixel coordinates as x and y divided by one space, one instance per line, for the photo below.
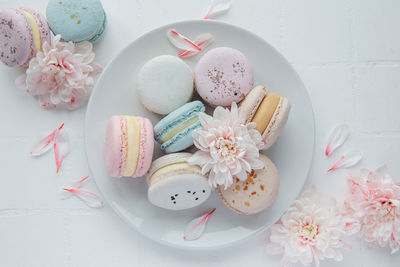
388 210
308 232
226 147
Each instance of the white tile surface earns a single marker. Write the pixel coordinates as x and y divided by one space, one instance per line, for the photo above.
316 31
347 53
376 94
373 29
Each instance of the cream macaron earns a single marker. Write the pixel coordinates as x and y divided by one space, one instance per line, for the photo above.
174 184
255 194
270 112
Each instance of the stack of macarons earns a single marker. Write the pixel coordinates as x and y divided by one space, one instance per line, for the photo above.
165 85
23 31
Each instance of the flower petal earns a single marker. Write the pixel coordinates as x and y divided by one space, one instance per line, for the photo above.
217 8
337 138
61 147
346 161
181 42
196 227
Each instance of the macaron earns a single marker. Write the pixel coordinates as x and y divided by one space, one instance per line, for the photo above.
255 194
22 33
174 132
164 83
222 76
77 20
174 184
129 146
270 112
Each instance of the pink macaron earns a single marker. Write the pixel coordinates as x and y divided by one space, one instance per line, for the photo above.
222 76
129 146
22 33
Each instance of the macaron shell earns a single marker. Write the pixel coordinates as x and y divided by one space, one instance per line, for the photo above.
277 123
255 194
100 32
182 140
146 147
167 160
179 190
222 76
250 104
16 40
76 20
164 84
115 146
41 21
176 117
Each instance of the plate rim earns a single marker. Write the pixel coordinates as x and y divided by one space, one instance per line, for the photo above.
106 199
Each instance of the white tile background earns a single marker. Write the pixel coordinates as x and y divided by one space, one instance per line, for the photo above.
346 51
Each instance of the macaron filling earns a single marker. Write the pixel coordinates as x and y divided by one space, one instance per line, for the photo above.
158 174
179 128
266 111
132 154
37 43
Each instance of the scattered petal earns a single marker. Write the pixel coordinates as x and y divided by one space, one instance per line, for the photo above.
80 182
75 184
181 42
337 138
45 143
202 41
196 227
218 7
61 147
90 198
346 161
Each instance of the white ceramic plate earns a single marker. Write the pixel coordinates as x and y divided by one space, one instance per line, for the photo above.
115 94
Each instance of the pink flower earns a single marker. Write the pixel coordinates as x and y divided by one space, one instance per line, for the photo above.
227 146
375 202
312 229
61 74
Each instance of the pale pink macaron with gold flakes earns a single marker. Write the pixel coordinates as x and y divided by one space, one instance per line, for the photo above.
129 146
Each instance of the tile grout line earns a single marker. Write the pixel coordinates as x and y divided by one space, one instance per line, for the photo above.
354 77
281 26
67 241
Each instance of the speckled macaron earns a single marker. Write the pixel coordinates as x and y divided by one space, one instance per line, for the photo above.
222 76
23 31
255 194
76 20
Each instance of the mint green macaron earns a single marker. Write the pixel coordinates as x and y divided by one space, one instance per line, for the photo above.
76 20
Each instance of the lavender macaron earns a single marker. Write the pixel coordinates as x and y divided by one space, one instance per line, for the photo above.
22 33
222 76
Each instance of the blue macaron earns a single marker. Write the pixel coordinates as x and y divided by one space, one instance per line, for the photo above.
76 20
174 132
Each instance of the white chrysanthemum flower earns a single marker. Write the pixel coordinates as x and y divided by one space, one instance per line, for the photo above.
227 147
